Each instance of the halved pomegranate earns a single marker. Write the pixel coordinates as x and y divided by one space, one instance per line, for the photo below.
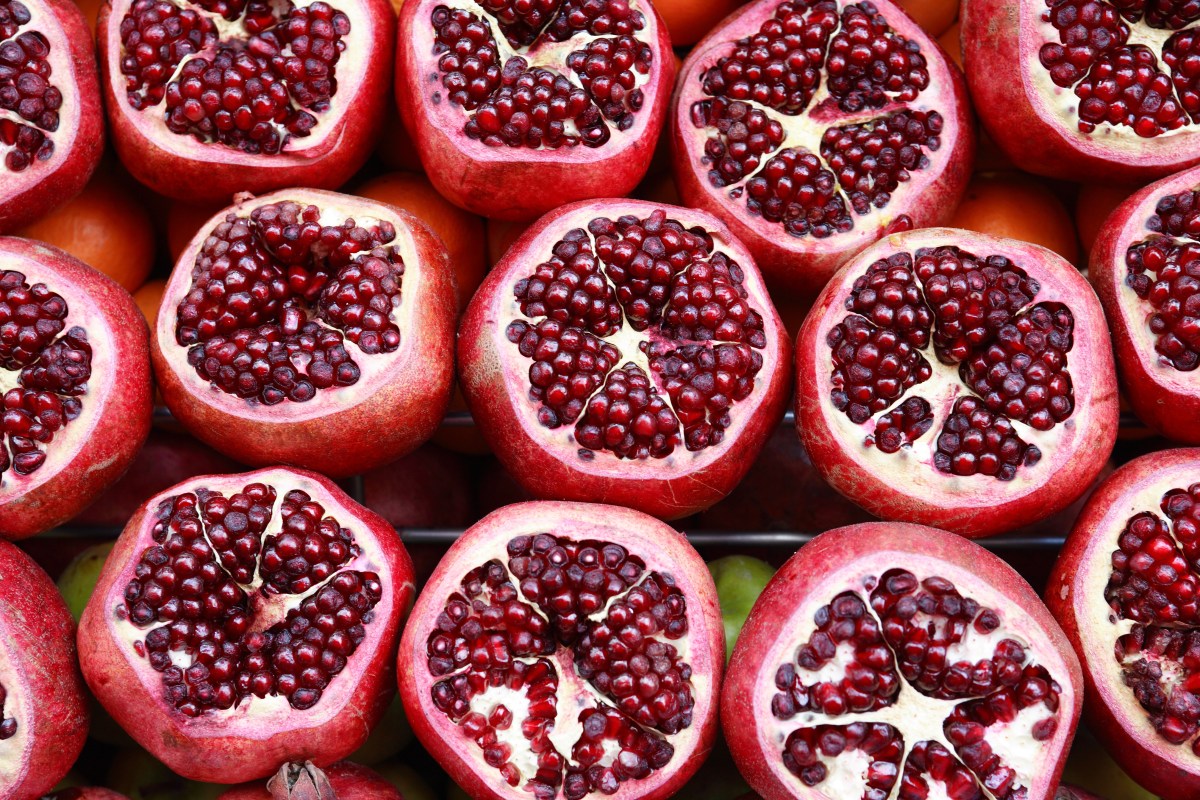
517 107
242 621
309 328
566 650
887 660
211 97
625 352
76 385
1125 591
958 379
43 713
812 128
1145 266
341 781
1087 89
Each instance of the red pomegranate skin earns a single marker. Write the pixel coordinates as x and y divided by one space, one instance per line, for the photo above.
350 781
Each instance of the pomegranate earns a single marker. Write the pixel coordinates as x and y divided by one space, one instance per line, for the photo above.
1124 591
888 660
309 328
77 389
43 714
955 378
1087 89
212 97
625 352
341 781
814 127
566 650
519 107
246 620
1144 264
51 123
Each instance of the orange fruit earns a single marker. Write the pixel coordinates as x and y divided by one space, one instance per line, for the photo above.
104 226
461 230
952 44
500 237
689 20
1019 207
149 298
1093 205
183 223
91 11
934 16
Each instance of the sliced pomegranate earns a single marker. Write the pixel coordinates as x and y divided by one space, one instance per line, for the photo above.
309 328
1087 89
812 128
76 385
1145 266
518 107
341 781
625 352
242 621
211 97
887 660
565 650
953 378
43 713
1125 591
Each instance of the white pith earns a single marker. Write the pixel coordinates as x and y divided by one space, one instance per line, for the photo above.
14 751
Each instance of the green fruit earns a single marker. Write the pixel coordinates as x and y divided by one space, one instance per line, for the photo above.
78 580
740 580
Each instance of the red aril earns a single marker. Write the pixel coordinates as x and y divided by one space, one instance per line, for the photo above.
76 397
814 128
565 650
887 660
625 352
309 328
246 620
213 97
959 379
43 714
1086 89
517 108
340 781
51 122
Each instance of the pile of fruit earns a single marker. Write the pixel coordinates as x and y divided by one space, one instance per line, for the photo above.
573 399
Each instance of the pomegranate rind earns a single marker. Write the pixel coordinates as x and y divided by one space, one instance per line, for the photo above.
1015 99
660 546
1075 595
251 740
180 167
842 559
397 404
90 453
494 380
911 490
350 781
519 183
802 265
1166 399
40 673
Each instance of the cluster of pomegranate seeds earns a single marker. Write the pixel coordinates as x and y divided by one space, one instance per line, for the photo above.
276 295
502 639
198 591
1007 357
916 643
1119 82
516 96
1164 270
29 100
8 725
254 89
813 57
641 334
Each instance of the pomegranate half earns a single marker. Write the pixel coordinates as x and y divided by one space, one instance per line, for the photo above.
814 128
518 107
566 650
243 621
213 97
887 660
625 352
1096 90
309 328
1125 590
958 379
43 713
1145 265
77 389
